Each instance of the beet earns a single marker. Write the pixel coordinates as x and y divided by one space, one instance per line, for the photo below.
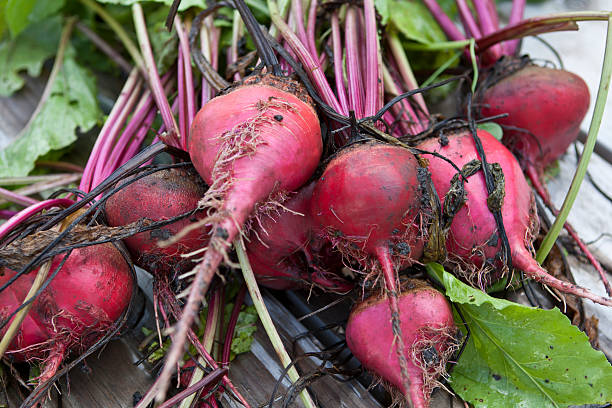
474 242
286 253
368 202
81 304
252 145
428 331
161 195
545 108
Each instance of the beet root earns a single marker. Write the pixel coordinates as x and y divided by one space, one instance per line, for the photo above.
84 300
545 108
427 328
368 202
474 241
252 146
162 195
285 252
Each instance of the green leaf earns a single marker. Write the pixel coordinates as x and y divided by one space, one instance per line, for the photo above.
72 106
245 330
27 53
3 24
412 19
16 13
493 128
45 8
518 356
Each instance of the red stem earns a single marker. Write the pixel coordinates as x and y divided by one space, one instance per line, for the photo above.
338 71
469 23
353 62
444 21
373 74
188 75
26 213
312 19
231 327
516 15
390 276
487 27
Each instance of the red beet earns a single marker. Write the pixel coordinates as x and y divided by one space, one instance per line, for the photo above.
427 328
251 146
474 240
162 195
88 295
546 106
368 203
285 252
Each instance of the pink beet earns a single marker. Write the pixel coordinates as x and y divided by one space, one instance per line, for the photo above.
368 203
162 195
427 328
546 106
286 253
88 295
252 146
473 240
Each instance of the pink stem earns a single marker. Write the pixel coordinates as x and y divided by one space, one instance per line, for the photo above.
16 198
172 137
26 213
469 23
353 63
311 66
444 21
493 13
338 72
105 150
373 75
487 27
137 140
312 20
516 15
188 73
92 162
298 18
182 111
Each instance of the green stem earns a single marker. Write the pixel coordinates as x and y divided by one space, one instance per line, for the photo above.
474 65
441 69
125 39
266 320
600 104
212 327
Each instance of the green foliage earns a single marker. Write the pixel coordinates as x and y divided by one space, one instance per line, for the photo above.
493 128
19 14
27 53
522 356
185 4
245 331
72 106
410 18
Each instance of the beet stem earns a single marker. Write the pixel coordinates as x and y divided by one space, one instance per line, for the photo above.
390 282
266 320
231 327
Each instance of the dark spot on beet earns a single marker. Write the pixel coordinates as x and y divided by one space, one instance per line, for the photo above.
278 118
395 231
403 248
221 232
161 233
430 356
496 377
443 139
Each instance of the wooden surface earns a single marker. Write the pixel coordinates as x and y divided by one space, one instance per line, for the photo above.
112 379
